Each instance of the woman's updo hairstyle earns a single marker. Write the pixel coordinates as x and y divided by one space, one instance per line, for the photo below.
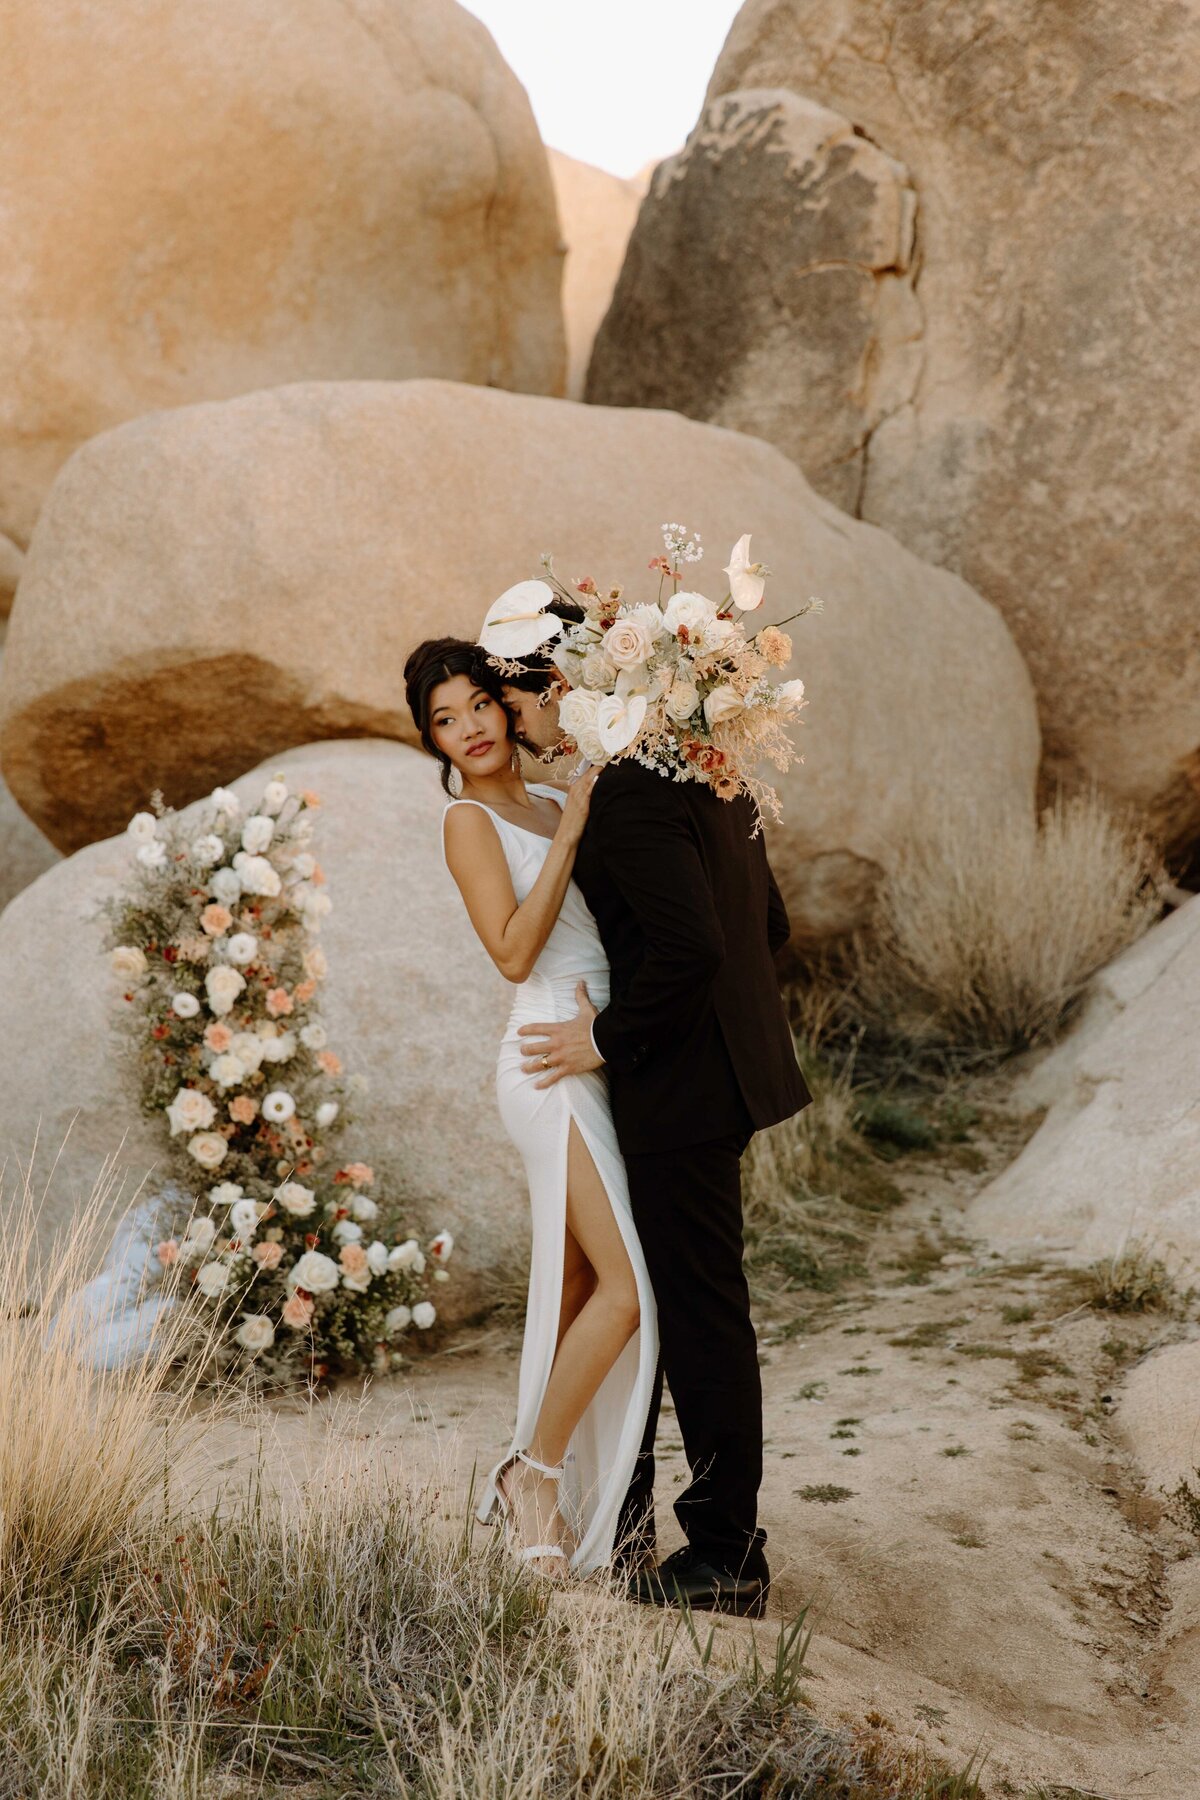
431 663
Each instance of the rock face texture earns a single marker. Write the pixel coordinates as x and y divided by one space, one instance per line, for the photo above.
209 586
1117 1159
596 212
405 969
355 189
1034 434
770 287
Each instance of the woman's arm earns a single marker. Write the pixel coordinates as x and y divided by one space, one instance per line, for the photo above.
513 934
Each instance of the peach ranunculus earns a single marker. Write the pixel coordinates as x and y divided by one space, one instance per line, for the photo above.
304 990
243 1109
353 1259
298 1312
278 1002
775 645
218 1037
216 919
331 1063
267 1255
167 1252
358 1174
309 798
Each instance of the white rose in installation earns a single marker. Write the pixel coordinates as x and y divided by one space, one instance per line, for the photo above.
404 1255
225 801
377 1258
518 623
227 1070
127 959
243 1219
399 1319
327 1112
208 1148
143 828
424 1313
697 616
577 715
274 794
212 1279
347 1232
247 1047
226 886
152 856
257 875
619 718
363 1207
241 948
278 1106
789 695
256 1332
596 671
190 1110
682 700
723 703
296 1199
199 1234
279 1047
223 985
746 578
257 833
313 1036
630 641
226 1192
207 850
315 1272
184 1005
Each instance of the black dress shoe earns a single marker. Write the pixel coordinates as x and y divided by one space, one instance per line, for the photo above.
686 1578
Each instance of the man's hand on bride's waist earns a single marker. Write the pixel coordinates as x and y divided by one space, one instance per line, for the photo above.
561 1047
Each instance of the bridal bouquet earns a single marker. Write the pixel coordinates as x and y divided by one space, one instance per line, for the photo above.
215 942
679 686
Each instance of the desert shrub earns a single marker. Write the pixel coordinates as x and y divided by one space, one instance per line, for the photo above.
984 936
1133 1281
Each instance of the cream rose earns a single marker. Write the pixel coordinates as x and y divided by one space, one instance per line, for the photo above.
223 985
247 1046
208 1148
363 1207
295 1199
682 700
723 703
279 1048
705 631
213 1279
629 643
127 959
315 1272
789 695
256 1332
424 1313
190 1110
596 671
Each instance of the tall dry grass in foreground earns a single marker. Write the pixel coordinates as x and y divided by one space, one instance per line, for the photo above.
985 936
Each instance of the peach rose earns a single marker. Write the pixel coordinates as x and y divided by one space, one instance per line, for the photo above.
304 990
309 798
215 919
243 1109
318 876
353 1259
218 1037
279 1001
167 1252
298 1312
267 1255
331 1063
359 1174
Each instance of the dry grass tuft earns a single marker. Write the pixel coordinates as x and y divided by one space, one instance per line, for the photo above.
985 937
1133 1281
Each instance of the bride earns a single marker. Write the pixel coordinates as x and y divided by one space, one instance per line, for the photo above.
591 1346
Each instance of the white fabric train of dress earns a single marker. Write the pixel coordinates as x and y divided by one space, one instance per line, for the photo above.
603 1449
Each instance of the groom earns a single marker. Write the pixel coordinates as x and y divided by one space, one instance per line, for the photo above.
699 1057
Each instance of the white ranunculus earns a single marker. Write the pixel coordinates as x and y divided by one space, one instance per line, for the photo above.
441 1246
619 718
127 959
746 578
424 1313
296 1199
152 856
629 642
223 985
243 1219
241 948
596 671
225 801
199 1234
399 1319
357 1284
698 616
247 1046
257 875
184 1005
257 833
190 1110
226 886
278 1106
789 695
208 1148
364 1208
143 828
404 1255
208 849
722 703
347 1232
314 1036
315 1272
327 1112
682 700
518 623
256 1332
227 1070
226 1192
212 1279
377 1258
274 794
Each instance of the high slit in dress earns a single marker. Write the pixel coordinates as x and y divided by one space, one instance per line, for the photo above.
600 1457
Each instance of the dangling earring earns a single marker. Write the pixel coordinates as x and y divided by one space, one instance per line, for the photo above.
456 782
516 759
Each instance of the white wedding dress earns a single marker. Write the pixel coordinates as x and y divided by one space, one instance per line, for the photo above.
600 1458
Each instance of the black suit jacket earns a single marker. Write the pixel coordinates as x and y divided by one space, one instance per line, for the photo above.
695 1035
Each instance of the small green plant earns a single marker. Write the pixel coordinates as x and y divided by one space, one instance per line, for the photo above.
781 1679
1017 1315
1183 1504
955 1450
812 1390
826 1492
1133 1281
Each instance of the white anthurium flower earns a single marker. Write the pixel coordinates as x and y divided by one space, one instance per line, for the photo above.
618 721
327 1112
632 681
208 849
518 623
256 1332
143 828
397 1320
790 695
257 833
746 579
723 703
241 948
278 1106
184 1005
347 1232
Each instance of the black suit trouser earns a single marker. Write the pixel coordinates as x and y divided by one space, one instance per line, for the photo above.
687 1206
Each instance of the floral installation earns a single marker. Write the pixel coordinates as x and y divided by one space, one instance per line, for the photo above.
680 686
215 940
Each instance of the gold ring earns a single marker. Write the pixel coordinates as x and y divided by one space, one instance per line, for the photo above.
546 1060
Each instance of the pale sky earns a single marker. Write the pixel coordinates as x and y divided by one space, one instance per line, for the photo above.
617 83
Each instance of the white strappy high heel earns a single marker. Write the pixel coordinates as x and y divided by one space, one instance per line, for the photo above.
525 1553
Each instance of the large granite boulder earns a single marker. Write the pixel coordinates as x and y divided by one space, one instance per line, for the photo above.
1010 396
194 207
596 211
25 852
411 1002
1116 1161
209 586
